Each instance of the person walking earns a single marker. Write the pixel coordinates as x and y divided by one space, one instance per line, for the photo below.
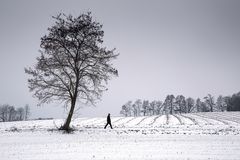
108 121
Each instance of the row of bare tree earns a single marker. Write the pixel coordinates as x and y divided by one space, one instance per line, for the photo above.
180 104
10 113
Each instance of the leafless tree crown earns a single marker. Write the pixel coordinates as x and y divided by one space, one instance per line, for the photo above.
73 64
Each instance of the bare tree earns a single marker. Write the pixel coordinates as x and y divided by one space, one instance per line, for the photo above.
135 111
27 112
181 103
73 66
159 107
145 107
169 104
138 104
127 109
4 112
190 103
152 106
228 101
209 100
198 105
20 114
124 111
221 103
12 113
9 113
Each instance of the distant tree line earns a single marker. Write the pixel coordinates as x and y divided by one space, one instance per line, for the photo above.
10 113
180 104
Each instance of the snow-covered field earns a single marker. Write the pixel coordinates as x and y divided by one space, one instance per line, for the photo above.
188 136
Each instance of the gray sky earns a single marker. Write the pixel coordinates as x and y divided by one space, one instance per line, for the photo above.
166 47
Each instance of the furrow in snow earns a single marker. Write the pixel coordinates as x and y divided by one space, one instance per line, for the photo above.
147 121
195 119
173 120
178 118
229 116
160 121
154 120
167 121
219 117
115 120
210 120
121 122
186 120
143 118
134 122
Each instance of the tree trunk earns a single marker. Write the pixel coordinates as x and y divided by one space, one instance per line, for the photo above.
171 109
66 125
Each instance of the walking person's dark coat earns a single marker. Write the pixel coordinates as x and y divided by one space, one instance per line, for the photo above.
108 121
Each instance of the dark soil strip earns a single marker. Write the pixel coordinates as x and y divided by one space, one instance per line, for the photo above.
179 119
222 119
167 121
142 120
206 117
154 120
118 120
231 118
131 119
127 121
234 117
192 119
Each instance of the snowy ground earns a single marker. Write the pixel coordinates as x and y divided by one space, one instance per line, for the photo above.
188 136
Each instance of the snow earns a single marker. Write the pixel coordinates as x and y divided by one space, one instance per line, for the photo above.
160 121
187 136
173 120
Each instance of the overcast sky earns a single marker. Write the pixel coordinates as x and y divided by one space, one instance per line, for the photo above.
166 47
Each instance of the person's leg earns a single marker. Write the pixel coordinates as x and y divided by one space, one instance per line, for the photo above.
105 126
110 125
